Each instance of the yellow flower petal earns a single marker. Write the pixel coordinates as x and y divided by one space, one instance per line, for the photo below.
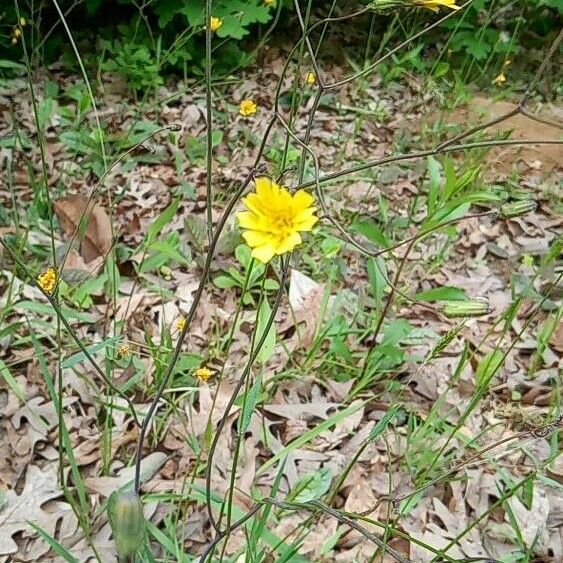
274 219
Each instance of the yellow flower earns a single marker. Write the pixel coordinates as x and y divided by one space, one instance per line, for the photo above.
435 5
274 219
123 351
47 280
23 22
247 108
268 2
508 62
180 324
310 79
500 79
215 23
17 32
203 374
14 40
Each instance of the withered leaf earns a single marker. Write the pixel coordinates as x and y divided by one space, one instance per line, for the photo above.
95 232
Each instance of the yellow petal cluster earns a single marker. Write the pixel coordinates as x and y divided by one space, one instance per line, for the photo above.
500 79
435 5
203 374
268 2
274 219
247 108
215 23
123 351
180 324
310 79
47 280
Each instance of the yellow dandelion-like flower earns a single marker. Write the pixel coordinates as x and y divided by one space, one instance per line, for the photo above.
215 23
500 79
47 280
275 218
203 374
247 108
23 21
435 5
17 32
123 351
310 79
180 324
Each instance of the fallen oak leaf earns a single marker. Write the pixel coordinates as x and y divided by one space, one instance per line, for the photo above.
76 211
18 510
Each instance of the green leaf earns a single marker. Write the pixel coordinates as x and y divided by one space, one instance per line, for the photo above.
434 169
225 282
269 345
382 425
487 368
377 275
250 405
445 293
311 486
11 381
57 547
71 361
371 231
161 221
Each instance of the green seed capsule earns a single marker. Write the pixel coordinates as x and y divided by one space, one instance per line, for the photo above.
517 208
477 308
125 513
387 6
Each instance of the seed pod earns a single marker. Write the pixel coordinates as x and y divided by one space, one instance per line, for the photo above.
476 308
517 208
387 6
125 513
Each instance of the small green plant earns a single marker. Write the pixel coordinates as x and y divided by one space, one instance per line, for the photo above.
249 276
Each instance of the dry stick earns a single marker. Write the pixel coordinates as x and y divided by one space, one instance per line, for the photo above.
343 520
71 331
209 114
236 390
223 533
189 319
429 152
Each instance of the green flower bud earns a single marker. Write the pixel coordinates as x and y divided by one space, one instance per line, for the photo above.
125 514
517 208
387 6
476 308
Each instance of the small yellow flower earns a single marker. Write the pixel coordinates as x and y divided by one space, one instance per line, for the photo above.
180 324
310 79
508 62
500 79
215 23
123 351
268 2
14 40
203 374
274 219
17 32
23 22
247 108
435 5
47 280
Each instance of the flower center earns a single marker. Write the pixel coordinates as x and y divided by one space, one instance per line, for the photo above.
284 226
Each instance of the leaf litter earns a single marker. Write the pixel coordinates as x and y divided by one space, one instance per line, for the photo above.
305 396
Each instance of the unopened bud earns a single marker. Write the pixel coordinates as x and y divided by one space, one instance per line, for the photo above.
387 6
477 308
125 514
517 208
